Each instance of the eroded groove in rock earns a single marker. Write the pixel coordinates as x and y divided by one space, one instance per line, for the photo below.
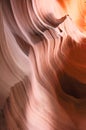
43 64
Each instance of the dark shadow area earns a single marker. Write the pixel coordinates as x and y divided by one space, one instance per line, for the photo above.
72 86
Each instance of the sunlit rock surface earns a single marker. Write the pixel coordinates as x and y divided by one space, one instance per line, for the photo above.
42 65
